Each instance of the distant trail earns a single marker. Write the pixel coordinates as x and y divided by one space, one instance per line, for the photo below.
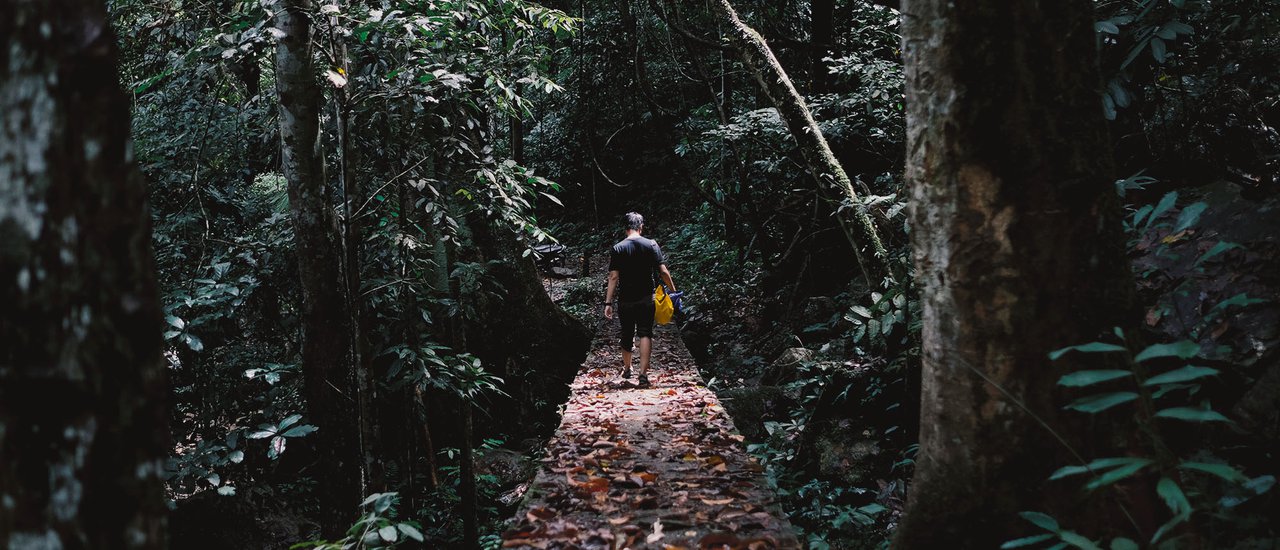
659 468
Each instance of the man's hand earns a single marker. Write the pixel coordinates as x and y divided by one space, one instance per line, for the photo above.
608 311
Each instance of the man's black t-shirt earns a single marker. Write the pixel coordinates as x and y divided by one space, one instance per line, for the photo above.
636 261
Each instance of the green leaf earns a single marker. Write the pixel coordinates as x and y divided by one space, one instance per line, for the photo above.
1097 403
1077 540
410 531
1107 27
1122 543
276 448
193 342
1158 49
1189 372
1189 216
1192 415
227 490
1091 347
176 322
261 434
1027 541
236 456
388 533
1166 202
1098 466
1184 349
1090 377
1173 496
1168 526
289 421
300 431
1221 470
1040 520
1117 474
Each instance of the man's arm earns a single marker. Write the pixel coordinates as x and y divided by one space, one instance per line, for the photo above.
666 277
608 294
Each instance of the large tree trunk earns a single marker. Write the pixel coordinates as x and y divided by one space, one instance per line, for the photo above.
1018 251
822 162
83 426
328 363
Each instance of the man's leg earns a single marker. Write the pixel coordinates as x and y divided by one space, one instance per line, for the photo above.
626 341
646 346
626 361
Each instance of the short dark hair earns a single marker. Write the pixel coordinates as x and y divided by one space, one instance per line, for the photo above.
634 220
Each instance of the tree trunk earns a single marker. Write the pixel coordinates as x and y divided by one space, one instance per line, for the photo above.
1018 251
83 422
327 352
822 162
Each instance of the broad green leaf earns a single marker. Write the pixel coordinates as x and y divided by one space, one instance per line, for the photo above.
1122 543
1091 347
1090 377
1158 49
289 420
1217 249
1189 372
1040 520
410 531
227 490
1027 541
1173 496
300 431
1107 27
1192 415
1189 216
1115 475
1221 470
1241 299
1166 202
176 322
236 456
261 434
1077 540
388 533
1168 526
1097 403
276 448
1098 466
1184 349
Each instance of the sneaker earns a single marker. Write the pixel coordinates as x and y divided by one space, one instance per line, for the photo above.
626 373
644 381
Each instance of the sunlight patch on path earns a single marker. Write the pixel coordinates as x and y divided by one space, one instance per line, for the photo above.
661 467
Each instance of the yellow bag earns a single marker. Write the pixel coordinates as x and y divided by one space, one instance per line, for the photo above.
663 309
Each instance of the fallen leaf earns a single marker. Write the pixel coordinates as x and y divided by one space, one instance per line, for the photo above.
656 535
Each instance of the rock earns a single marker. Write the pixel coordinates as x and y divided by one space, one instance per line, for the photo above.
562 272
783 369
750 407
1259 408
210 520
509 467
842 452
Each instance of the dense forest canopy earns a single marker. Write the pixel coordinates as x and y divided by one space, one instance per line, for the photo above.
963 274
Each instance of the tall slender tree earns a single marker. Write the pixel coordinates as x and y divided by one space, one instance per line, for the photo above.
1018 250
328 357
821 161
83 426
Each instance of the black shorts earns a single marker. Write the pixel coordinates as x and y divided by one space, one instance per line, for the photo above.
637 320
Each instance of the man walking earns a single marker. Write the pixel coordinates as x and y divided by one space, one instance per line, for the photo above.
632 265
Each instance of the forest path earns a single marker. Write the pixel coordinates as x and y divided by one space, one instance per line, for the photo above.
661 467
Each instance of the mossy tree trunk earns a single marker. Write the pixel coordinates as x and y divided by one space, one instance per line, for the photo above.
328 359
83 422
821 161
1018 251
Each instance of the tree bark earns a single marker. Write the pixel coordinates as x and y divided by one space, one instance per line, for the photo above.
328 363
83 420
821 161
1018 251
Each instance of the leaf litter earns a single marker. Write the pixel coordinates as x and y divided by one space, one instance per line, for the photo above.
656 468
